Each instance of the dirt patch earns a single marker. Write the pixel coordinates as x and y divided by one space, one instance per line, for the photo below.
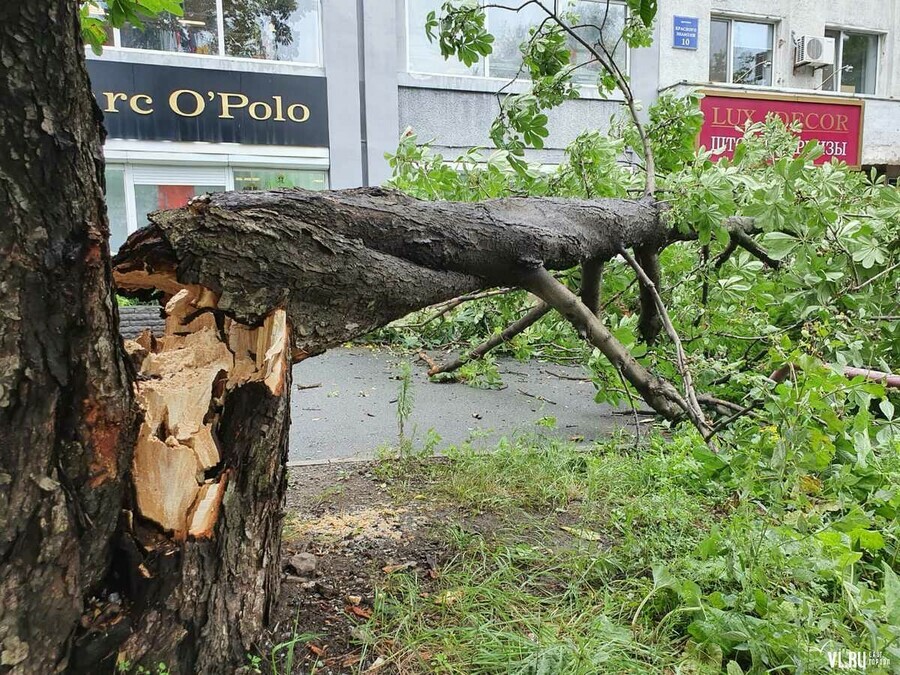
359 528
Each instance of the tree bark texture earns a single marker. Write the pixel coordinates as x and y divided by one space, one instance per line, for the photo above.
66 405
345 262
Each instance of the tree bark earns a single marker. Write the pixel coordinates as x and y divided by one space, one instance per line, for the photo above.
66 405
343 263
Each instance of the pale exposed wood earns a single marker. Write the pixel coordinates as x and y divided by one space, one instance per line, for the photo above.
206 509
205 447
273 335
142 280
183 305
165 481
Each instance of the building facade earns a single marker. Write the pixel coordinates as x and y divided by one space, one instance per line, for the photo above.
249 94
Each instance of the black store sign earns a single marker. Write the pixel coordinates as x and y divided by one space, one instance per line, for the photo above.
166 103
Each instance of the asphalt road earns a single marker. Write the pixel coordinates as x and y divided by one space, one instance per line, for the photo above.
353 413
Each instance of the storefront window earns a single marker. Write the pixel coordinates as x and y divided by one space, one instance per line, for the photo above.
281 30
149 198
272 179
275 30
195 33
136 190
115 207
741 52
856 63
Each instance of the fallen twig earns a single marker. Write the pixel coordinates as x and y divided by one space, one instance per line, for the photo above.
537 396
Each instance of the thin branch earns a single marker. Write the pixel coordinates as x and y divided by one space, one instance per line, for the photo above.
534 315
865 283
443 308
695 412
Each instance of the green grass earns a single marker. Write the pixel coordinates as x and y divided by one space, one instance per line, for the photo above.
622 561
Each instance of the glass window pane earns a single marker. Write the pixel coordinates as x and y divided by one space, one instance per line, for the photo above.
831 79
718 51
196 32
149 198
601 23
752 53
115 207
425 56
510 29
278 30
272 179
859 60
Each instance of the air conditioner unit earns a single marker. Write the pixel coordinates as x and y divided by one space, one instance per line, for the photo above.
815 51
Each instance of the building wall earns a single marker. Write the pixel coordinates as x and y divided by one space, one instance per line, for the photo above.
373 98
792 18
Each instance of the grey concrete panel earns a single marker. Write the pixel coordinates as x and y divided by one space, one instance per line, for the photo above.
341 50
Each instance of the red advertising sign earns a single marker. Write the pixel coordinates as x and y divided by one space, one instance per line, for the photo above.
836 123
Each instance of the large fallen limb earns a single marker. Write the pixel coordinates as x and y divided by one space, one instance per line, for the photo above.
659 394
344 263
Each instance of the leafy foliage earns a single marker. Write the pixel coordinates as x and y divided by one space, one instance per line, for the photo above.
800 553
679 560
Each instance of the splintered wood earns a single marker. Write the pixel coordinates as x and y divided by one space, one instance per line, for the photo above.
179 474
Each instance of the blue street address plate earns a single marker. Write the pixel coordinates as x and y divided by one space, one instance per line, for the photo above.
685 31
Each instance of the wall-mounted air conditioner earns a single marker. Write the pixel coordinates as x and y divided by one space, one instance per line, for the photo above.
815 51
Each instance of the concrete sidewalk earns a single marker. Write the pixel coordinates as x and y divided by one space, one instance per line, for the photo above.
353 412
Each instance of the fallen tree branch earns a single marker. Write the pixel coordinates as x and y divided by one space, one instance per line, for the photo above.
534 315
749 244
592 284
889 380
694 411
650 323
659 394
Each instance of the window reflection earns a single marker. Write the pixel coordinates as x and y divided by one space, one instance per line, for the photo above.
273 179
278 30
752 53
510 30
115 207
601 23
195 33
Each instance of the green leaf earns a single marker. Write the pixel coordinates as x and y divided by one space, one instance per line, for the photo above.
870 540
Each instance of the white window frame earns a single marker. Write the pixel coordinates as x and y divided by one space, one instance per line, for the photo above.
839 56
487 68
220 53
729 75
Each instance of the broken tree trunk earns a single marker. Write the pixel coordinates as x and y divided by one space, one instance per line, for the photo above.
198 559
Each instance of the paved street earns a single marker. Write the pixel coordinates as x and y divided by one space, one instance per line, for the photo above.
353 412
